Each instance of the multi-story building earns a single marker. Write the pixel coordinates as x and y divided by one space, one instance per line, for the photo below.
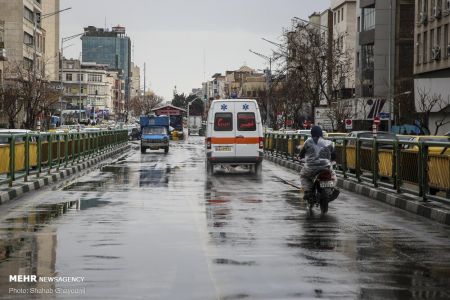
432 61
112 48
384 60
86 86
25 38
24 41
135 81
344 36
51 43
117 90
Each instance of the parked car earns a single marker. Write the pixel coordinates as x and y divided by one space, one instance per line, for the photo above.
381 135
5 140
431 149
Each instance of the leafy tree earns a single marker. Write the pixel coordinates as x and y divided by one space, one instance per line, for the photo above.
197 107
179 100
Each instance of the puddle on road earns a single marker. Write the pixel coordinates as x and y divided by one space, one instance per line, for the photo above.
121 177
19 234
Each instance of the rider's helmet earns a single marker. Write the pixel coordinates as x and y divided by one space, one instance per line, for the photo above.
316 131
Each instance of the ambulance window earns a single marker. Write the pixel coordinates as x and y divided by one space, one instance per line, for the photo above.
223 122
246 121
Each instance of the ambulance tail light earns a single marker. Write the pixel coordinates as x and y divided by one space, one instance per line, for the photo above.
208 143
261 143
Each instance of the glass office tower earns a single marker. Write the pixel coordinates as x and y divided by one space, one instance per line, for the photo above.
109 47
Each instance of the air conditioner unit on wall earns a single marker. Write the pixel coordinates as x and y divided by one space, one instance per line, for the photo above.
423 18
436 53
437 12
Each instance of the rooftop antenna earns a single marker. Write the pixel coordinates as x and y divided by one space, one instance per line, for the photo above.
105 23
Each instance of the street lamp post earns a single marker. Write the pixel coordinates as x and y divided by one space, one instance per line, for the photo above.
269 84
188 111
397 120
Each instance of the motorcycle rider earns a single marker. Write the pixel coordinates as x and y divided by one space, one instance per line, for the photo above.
318 154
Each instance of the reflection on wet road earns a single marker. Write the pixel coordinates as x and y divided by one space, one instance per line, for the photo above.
154 226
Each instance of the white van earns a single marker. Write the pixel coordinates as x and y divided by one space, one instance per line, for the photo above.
234 134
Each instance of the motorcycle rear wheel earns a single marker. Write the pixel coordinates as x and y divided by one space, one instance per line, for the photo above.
325 195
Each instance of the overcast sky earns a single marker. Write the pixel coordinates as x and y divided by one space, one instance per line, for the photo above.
174 36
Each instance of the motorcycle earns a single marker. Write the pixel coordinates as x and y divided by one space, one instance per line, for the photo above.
324 190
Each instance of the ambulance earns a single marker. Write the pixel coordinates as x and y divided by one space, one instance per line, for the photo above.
234 135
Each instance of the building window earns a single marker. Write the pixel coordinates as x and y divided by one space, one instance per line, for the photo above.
27 39
368 22
367 70
334 18
94 78
80 77
359 24
69 77
446 45
342 14
438 37
418 50
28 14
27 63
425 47
431 42
339 16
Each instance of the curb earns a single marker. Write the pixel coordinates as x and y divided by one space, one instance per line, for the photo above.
64 173
407 203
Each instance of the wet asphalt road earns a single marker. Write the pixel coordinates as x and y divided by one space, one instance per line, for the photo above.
154 226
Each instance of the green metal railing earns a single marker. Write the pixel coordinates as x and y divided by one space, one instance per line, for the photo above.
37 153
404 166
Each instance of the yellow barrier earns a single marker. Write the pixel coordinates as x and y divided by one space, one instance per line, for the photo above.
385 163
439 171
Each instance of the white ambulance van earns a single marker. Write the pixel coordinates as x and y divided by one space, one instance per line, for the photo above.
234 134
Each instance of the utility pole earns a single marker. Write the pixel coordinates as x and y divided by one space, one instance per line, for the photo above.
269 84
145 73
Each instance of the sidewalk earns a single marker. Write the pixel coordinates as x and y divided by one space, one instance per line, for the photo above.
21 187
433 210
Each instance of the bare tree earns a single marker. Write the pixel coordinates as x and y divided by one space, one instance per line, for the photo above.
316 66
10 96
28 90
144 105
337 113
432 103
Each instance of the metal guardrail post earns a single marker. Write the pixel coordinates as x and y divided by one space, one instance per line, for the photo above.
358 160
375 162
58 148
39 154
66 149
423 170
344 158
397 169
27 157
12 160
50 158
